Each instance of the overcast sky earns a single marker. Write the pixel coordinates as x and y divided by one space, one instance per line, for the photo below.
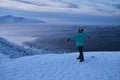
65 11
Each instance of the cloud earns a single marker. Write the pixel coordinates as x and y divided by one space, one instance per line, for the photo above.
67 4
28 7
73 5
93 7
67 18
33 3
116 6
99 9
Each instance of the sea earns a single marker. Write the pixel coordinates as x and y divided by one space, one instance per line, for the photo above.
54 36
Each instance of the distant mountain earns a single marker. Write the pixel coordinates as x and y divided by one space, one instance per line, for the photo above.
13 19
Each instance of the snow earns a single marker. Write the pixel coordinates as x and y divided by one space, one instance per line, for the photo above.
13 50
16 39
15 64
97 66
13 19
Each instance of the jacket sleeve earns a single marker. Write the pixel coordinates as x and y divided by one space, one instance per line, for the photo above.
73 38
87 36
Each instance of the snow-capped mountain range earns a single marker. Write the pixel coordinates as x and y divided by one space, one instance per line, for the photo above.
14 19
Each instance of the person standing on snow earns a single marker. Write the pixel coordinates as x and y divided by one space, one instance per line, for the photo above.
79 38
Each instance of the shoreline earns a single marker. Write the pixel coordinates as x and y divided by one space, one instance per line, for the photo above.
64 46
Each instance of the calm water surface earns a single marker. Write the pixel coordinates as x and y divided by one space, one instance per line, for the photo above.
53 37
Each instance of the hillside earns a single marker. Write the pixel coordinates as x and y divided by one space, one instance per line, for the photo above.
15 64
97 66
15 51
14 19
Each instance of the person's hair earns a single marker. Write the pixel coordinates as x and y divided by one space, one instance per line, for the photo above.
81 30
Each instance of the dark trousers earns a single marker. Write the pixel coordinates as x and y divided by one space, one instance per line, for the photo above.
81 56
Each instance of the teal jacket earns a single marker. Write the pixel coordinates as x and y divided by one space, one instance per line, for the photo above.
79 38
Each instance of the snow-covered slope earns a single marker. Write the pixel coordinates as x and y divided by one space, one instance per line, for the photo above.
13 19
97 66
13 50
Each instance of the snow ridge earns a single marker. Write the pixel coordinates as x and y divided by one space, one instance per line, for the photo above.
97 66
13 19
13 50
